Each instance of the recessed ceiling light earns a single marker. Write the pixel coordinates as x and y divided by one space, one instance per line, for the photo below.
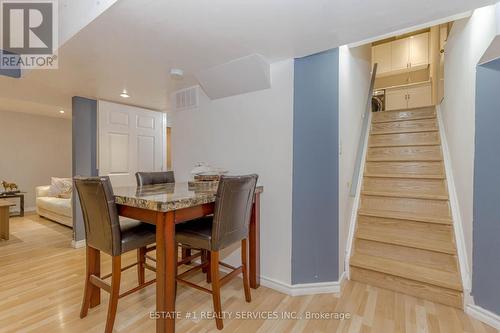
177 73
61 111
124 94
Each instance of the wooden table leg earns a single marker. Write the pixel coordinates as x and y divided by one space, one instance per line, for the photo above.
166 263
254 244
4 222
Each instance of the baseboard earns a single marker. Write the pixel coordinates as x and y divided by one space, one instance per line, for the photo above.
78 244
483 315
333 287
455 209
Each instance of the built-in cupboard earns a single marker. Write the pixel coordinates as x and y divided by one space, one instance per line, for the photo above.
402 55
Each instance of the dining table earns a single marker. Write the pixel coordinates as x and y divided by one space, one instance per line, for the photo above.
166 205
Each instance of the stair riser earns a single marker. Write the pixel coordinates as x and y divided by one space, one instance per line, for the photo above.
431 188
410 126
416 207
408 236
407 270
414 114
409 287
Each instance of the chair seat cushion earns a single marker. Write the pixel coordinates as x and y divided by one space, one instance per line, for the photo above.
196 233
136 234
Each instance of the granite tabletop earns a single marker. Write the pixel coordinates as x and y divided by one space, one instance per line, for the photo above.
167 197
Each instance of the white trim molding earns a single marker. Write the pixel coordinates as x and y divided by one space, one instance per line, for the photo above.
455 212
334 287
413 28
355 206
483 315
78 244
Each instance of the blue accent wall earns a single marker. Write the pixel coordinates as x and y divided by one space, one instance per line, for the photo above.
84 152
315 241
486 225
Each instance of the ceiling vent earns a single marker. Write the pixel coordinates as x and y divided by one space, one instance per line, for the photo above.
186 98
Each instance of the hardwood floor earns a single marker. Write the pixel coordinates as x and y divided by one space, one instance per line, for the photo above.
41 285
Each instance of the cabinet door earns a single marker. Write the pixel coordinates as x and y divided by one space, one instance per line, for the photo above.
396 99
381 54
400 54
419 50
419 96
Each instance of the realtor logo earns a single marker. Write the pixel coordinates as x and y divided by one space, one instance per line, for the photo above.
29 34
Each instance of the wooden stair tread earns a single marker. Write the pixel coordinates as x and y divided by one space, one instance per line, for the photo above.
426 236
405 216
412 207
406 168
412 255
405 126
409 271
420 108
405 154
405 139
413 114
409 195
433 293
402 175
406 188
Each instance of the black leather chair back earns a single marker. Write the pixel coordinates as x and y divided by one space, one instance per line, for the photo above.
233 208
102 224
151 178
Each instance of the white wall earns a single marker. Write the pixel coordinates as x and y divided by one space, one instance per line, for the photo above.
468 40
354 77
33 149
249 133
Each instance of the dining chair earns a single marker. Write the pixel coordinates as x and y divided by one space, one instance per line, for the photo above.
166 177
229 224
151 178
105 233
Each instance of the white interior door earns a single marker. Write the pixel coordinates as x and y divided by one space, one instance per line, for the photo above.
130 139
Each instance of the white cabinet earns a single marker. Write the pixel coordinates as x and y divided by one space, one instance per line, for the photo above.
419 50
396 99
408 97
419 96
402 55
381 54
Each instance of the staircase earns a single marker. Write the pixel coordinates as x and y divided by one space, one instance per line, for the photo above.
404 239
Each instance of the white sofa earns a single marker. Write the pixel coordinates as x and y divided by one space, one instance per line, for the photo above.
56 209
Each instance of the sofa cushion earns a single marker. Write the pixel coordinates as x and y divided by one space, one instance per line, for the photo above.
61 187
56 205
